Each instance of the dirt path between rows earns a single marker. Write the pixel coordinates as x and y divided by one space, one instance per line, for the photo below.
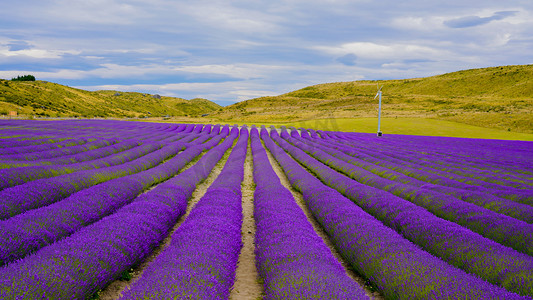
247 281
318 229
115 289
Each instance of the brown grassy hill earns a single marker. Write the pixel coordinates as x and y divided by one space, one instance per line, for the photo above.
496 97
46 99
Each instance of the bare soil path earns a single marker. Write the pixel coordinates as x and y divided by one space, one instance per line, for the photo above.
115 289
318 229
247 281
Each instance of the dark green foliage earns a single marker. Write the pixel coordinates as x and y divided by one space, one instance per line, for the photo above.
24 78
126 276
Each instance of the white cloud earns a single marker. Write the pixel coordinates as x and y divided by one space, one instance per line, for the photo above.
36 53
243 71
110 71
97 12
222 15
425 24
389 51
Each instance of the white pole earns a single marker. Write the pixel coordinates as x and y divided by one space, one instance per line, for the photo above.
379 114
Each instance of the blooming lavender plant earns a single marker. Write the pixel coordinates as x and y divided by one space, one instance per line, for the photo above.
34 194
461 247
508 231
44 147
201 260
397 267
473 194
291 258
36 228
456 162
119 153
146 137
60 151
79 265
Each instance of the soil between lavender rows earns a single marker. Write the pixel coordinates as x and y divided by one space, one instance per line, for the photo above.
247 282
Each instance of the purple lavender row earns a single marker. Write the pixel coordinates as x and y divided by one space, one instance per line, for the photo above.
147 137
125 151
103 157
201 259
313 134
69 159
482 174
17 142
421 172
37 193
66 159
34 229
519 195
72 139
438 177
506 196
453 243
44 147
81 264
54 127
510 153
198 128
40 130
490 176
501 199
403 152
61 151
449 156
102 128
84 156
478 152
505 230
518 190
458 190
291 258
457 170
13 136
396 266
461 164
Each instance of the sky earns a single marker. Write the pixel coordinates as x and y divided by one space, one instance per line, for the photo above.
230 51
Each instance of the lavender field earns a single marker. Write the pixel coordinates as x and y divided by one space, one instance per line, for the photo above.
85 204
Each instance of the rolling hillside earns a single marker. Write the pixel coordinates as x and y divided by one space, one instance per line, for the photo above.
46 99
497 97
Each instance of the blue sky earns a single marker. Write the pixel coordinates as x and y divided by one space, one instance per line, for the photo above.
229 51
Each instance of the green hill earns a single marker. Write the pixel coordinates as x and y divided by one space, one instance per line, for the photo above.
497 97
46 99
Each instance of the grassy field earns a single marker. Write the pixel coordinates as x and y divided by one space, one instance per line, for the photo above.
408 126
414 126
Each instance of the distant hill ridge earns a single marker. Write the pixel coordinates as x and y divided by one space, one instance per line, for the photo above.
495 97
46 99
506 81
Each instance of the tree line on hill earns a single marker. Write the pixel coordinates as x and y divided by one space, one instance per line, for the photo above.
24 78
